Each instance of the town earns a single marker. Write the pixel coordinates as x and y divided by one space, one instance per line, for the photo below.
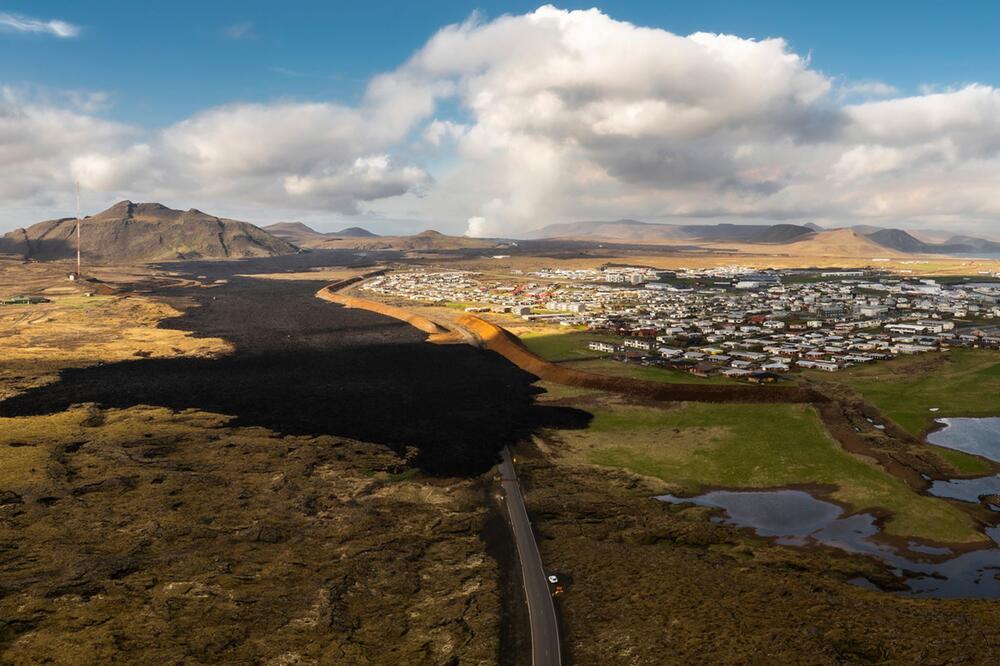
731 321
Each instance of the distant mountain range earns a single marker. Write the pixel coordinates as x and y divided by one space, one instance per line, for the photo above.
137 232
140 232
303 235
898 239
895 240
647 232
357 238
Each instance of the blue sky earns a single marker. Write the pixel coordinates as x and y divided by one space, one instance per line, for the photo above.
497 118
164 61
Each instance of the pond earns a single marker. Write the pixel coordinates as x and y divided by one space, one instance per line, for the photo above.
978 436
795 517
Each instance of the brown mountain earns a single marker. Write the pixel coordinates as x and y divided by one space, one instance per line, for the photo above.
136 232
355 232
295 232
838 243
305 236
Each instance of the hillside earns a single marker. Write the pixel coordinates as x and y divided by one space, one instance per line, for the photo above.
973 244
137 232
645 232
354 232
838 243
903 241
425 240
296 233
747 233
897 239
789 237
303 235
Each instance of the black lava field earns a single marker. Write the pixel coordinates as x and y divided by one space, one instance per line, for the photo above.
303 366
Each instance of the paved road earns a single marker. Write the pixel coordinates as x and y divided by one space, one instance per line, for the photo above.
541 609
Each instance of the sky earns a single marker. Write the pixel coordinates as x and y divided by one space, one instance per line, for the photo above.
499 118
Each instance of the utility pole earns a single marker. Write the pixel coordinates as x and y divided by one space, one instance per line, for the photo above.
77 230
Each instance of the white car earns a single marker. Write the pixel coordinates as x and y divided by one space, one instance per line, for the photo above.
554 580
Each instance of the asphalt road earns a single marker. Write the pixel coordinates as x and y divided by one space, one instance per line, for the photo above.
541 609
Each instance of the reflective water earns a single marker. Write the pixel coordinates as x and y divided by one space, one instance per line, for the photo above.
980 437
794 517
977 436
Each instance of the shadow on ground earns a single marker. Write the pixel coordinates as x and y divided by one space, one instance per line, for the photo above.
307 367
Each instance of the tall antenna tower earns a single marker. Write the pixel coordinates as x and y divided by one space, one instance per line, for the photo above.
77 183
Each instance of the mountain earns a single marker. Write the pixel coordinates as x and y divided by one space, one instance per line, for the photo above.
974 244
865 229
801 236
354 232
303 235
747 233
435 240
838 243
903 241
296 233
897 239
137 232
645 232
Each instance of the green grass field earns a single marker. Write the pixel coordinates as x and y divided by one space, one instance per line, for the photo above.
637 371
572 346
566 346
963 462
757 446
963 382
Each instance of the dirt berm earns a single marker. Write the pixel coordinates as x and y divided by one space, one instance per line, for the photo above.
438 333
497 339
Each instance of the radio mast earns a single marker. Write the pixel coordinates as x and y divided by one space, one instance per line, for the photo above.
77 229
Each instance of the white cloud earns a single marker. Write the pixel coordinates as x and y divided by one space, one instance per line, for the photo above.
54 27
575 115
367 179
284 154
439 132
38 142
549 116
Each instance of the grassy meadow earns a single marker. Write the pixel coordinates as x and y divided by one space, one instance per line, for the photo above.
962 382
694 446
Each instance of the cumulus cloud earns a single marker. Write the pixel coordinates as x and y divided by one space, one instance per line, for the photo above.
565 101
502 126
367 179
576 115
54 27
286 154
38 142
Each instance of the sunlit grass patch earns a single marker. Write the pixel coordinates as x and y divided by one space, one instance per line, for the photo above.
695 446
964 382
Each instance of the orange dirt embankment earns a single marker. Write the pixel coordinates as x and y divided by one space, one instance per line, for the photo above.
831 413
507 345
437 333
